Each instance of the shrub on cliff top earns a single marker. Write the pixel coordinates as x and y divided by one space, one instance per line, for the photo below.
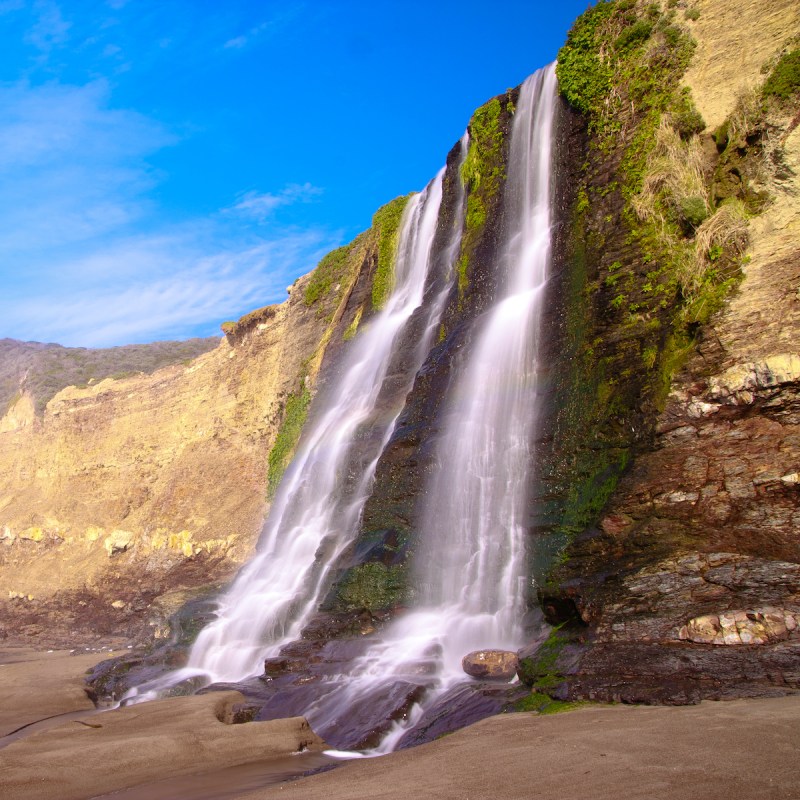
784 79
329 270
584 74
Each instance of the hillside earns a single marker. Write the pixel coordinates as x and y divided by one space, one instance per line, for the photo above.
40 371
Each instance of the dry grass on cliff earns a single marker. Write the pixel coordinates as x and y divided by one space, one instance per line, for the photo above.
674 177
675 198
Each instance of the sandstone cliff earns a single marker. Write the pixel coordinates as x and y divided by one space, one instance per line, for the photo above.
123 495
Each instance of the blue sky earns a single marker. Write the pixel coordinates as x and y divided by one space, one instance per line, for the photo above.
165 166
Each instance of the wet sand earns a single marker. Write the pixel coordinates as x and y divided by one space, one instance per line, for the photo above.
90 754
34 685
739 750
715 751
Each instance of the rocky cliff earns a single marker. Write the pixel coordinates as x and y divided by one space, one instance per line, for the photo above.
663 529
687 584
124 498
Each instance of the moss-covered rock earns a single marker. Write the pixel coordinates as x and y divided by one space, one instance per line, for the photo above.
294 417
372 587
386 224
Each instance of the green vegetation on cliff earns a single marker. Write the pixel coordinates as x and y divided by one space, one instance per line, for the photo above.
328 272
294 417
654 251
386 224
783 82
483 174
372 587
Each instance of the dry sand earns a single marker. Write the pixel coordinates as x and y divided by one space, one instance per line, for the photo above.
727 751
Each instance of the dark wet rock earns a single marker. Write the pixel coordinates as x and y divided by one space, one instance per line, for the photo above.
682 673
109 680
498 665
462 705
363 723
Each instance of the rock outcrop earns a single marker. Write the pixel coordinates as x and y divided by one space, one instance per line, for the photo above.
698 545
500 665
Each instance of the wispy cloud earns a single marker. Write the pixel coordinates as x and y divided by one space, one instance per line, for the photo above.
85 257
271 25
259 206
165 284
50 28
70 167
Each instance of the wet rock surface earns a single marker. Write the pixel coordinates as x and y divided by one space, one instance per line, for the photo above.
462 705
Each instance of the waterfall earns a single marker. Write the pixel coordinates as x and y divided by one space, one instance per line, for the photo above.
471 569
317 507
470 565
471 524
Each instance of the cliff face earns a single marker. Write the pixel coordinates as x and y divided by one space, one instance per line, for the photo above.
688 584
667 460
124 498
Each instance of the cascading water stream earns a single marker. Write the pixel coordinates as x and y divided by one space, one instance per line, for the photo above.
320 499
471 562
471 558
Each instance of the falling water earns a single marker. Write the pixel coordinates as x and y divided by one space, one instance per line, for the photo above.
320 499
470 568
471 561
472 564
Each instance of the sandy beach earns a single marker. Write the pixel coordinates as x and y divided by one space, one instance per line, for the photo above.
735 750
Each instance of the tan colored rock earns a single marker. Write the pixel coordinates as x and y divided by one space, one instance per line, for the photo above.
734 40
118 542
21 414
491 664
752 627
127 481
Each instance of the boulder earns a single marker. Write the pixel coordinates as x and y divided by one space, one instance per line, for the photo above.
498 665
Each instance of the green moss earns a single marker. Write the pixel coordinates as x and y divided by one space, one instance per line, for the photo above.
784 79
386 224
294 417
372 587
330 270
540 671
352 328
597 475
483 174
542 704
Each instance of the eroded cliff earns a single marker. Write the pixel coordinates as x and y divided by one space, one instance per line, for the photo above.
688 584
125 498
